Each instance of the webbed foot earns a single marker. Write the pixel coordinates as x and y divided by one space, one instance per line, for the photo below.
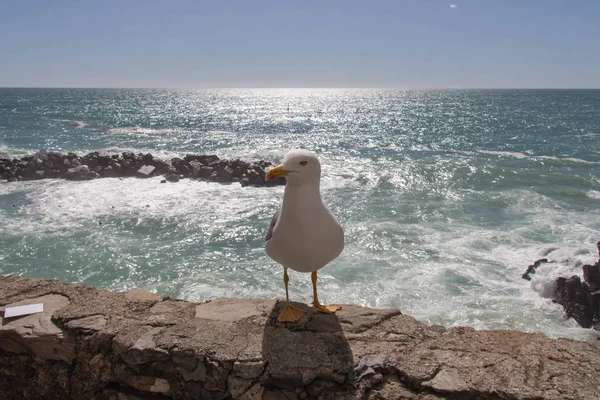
325 309
290 314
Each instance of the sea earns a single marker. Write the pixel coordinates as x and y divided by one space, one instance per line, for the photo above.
445 196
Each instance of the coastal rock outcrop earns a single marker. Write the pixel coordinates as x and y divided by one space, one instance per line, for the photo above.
581 299
105 164
93 343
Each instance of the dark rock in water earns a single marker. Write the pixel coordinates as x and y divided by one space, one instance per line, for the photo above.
148 159
79 173
572 295
276 182
591 275
104 158
128 155
181 167
205 172
214 176
52 173
114 164
109 172
146 171
531 269
195 166
225 174
581 300
27 173
171 177
41 155
64 165
202 159
38 163
91 160
55 157
161 167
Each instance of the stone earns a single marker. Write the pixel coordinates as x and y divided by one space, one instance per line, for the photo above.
225 174
230 310
142 295
171 177
591 275
36 334
249 369
145 350
146 171
161 167
91 324
573 296
195 167
148 159
532 268
79 173
109 172
581 300
447 380
205 172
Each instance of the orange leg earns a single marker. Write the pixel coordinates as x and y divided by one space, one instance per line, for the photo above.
289 313
317 307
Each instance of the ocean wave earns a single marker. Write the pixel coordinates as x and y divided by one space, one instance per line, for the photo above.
513 154
13 152
522 156
594 194
77 123
137 130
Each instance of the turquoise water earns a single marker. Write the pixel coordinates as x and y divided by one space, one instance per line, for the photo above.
445 196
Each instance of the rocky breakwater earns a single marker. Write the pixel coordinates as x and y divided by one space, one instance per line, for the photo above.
92 343
106 164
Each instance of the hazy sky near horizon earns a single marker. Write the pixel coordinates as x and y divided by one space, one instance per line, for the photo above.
309 43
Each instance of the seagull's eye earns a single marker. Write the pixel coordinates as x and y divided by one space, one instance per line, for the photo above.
303 163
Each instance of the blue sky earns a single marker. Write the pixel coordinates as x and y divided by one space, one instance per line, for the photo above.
280 43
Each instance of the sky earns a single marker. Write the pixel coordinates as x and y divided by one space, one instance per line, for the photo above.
308 43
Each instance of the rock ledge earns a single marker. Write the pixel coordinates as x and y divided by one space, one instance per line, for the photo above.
92 343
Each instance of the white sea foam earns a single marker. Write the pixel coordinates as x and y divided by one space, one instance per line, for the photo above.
523 155
594 194
506 153
137 130
78 124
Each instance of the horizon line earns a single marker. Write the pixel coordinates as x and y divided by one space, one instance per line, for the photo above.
297 88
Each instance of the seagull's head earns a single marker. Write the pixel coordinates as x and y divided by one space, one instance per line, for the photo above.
298 167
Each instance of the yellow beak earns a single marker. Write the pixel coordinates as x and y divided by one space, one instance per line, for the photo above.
275 173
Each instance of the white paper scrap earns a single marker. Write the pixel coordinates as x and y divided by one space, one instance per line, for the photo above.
23 310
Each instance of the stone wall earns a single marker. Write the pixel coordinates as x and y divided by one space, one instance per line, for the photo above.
92 343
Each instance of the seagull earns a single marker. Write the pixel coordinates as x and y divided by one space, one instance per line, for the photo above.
304 235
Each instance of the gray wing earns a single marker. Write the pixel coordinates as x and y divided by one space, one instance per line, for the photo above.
273 223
